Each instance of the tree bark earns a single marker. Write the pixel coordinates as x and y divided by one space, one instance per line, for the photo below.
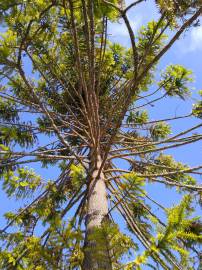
96 253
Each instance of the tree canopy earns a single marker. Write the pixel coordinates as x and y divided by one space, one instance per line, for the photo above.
70 101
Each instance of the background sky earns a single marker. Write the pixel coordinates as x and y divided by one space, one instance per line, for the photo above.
188 52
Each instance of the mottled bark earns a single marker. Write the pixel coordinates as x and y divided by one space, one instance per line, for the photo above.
96 256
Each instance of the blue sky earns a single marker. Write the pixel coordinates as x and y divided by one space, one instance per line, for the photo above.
188 52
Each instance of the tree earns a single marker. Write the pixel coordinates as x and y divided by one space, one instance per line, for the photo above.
69 99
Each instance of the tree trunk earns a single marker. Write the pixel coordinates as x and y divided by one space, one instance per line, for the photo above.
96 254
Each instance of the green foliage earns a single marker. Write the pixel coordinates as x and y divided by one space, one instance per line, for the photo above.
166 163
8 111
175 10
148 47
17 135
174 236
197 108
139 117
134 184
102 9
118 244
177 230
60 70
133 190
77 174
22 183
160 131
175 81
65 240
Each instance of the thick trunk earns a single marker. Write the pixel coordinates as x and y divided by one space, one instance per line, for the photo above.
96 254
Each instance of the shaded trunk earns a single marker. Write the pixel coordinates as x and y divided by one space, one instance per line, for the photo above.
96 254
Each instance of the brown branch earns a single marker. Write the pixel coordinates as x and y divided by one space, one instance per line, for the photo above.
154 150
172 41
132 5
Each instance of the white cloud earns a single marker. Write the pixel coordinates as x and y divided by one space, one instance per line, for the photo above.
138 15
196 39
119 33
192 42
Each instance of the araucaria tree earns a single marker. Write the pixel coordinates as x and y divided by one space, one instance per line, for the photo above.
74 102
